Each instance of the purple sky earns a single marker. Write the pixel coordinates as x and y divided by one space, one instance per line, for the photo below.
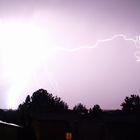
54 44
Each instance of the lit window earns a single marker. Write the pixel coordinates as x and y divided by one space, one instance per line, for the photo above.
68 136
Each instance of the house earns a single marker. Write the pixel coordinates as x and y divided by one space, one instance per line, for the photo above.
9 131
71 126
55 126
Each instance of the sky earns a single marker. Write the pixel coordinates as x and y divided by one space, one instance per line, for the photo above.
84 51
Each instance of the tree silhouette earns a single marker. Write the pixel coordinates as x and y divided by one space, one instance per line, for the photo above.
80 108
25 105
131 104
95 110
40 102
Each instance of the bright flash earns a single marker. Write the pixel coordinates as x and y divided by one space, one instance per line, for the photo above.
23 46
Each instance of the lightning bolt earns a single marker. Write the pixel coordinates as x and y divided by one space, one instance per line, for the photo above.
136 42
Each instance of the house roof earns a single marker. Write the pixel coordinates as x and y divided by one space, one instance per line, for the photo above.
10 124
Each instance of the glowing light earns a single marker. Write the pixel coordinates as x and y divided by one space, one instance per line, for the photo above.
68 136
23 48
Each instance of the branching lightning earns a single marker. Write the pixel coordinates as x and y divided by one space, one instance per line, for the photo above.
136 42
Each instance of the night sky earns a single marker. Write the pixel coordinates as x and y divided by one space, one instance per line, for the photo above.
81 50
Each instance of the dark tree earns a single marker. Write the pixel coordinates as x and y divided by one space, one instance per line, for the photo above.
2 114
95 111
131 104
80 108
24 111
25 105
41 101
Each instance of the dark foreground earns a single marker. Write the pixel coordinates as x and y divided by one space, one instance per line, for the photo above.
72 126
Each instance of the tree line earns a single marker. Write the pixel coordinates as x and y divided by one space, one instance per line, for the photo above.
42 102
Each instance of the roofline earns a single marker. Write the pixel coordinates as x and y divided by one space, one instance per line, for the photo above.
11 124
